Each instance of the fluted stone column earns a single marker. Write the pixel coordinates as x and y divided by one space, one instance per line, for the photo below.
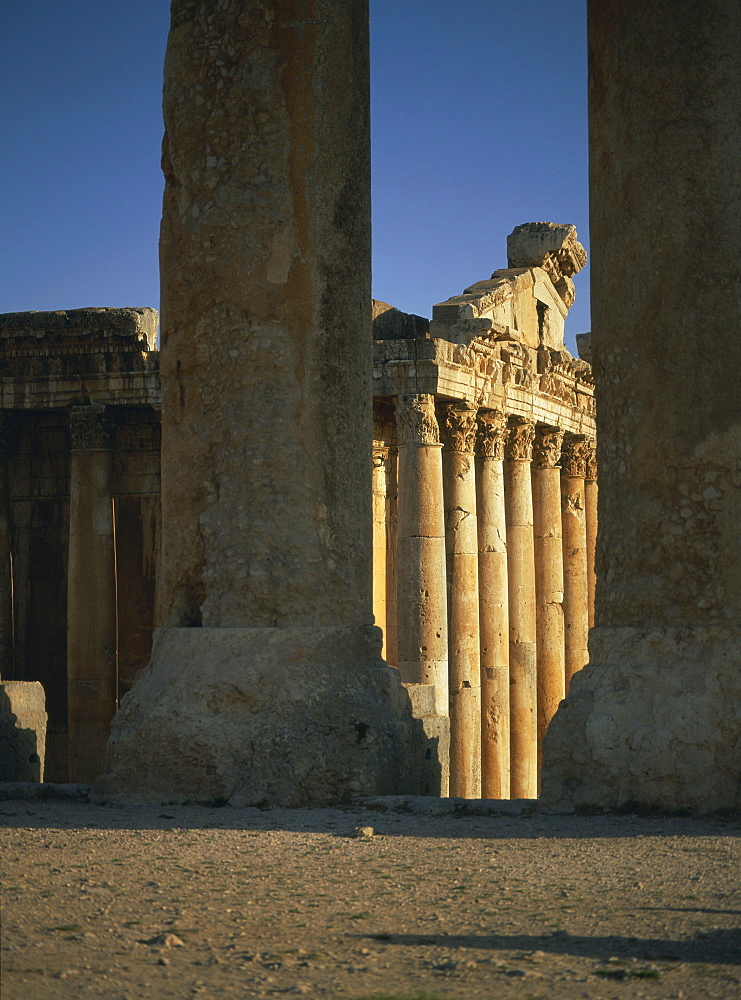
590 510
380 575
392 519
266 682
549 576
522 611
574 526
461 544
655 717
91 596
493 605
422 615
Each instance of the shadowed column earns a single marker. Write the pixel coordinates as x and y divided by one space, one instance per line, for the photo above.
574 526
590 509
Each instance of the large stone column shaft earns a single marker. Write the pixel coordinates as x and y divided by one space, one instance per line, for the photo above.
522 613
461 544
266 683
493 605
655 717
380 560
549 576
6 582
91 596
574 526
422 616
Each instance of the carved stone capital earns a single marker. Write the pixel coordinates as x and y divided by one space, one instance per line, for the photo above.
574 455
379 457
492 434
547 446
591 472
88 429
460 427
519 445
416 422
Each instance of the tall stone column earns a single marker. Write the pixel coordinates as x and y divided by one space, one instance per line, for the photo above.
266 682
574 526
590 510
392 519
461 545
422 615
91 596
549 576
523 687
493 605
380 575
655 717
6 582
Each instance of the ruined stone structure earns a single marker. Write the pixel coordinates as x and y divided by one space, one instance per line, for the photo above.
467 523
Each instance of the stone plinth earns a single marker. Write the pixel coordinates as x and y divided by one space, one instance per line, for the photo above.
292 716
22 731
265 579
654 717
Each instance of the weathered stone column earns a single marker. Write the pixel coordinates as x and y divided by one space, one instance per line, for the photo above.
590 510
91 596
493 605
422 616
6 582
461 546
655 718
574 526
380 575
266 683
523 688
392 520
549 577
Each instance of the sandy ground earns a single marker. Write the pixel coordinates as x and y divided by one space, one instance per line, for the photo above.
120 903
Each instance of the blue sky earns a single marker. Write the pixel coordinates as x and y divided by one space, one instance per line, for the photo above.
478 124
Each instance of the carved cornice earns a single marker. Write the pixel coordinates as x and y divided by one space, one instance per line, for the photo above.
460 428
574 455
519 445
591 471
547 446
415 419
492 433
88 429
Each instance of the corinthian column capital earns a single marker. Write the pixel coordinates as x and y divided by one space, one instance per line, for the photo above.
519 446
547 446
416 422
460 427
492 433
574 455
88 429
591 473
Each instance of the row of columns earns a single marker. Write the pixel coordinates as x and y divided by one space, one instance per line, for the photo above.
492 569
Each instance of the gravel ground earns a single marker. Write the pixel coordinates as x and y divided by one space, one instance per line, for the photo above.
169 901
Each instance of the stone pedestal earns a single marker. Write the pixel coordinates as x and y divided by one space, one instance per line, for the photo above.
654 718
91 596
548 575
522 614
423 639
461 545
493 605
574 527
265 585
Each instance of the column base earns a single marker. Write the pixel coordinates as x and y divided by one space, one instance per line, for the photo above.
258 716
654 720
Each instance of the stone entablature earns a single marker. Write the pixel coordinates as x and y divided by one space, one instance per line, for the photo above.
77 356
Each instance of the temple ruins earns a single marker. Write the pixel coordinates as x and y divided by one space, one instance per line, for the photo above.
280 478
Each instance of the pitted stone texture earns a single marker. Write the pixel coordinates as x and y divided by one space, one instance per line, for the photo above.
289 716
654 720
549 245
266 327
22 731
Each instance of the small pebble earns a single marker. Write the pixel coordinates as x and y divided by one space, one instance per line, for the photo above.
363 832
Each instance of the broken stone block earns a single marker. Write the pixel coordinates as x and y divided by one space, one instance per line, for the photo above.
549 245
